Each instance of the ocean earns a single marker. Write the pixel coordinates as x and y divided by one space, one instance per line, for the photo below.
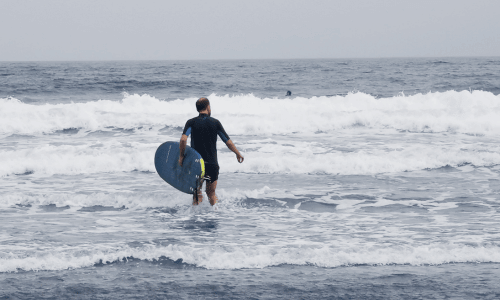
375 179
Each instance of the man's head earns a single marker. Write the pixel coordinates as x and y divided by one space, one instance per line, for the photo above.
203 104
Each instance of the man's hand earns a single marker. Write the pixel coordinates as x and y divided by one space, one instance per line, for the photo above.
182 148
232 147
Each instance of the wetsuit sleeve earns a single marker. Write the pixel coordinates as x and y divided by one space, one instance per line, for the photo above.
187 128
222 133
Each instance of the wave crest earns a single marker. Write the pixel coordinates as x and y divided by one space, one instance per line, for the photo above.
261 256
465 112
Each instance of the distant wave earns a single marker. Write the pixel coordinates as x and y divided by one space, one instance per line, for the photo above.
463 112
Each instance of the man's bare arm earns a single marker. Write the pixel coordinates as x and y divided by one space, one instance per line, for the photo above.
182 148
232 147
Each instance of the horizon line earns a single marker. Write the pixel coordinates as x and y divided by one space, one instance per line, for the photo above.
254 59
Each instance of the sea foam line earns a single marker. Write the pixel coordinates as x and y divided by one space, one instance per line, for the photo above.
304 158
259 256
465 112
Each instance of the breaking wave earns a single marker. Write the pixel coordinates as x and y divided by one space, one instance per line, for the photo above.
474 112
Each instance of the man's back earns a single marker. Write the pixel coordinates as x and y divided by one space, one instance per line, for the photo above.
204 130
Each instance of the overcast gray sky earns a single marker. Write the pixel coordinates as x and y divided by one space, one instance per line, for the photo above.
251 29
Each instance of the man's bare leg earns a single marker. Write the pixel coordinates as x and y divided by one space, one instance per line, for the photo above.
210 189
199 199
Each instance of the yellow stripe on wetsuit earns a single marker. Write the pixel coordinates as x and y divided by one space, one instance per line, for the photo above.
202 162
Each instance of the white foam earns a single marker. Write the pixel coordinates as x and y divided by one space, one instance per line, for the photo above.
304 161
466 112
131 112
81 159
258 256
165 197
304 158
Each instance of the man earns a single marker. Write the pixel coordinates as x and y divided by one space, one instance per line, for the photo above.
204 130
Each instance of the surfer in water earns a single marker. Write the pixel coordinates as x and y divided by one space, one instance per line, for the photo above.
204 130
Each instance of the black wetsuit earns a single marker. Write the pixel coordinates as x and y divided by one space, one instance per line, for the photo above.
204 131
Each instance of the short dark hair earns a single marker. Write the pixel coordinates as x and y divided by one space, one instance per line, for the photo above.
202 104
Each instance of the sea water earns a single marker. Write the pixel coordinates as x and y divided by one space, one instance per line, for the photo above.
376 178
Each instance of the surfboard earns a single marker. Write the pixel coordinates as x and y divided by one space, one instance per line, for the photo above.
185 178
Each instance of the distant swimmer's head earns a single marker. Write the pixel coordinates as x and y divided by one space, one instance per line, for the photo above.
203 105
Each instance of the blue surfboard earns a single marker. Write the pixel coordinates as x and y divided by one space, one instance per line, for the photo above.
185 178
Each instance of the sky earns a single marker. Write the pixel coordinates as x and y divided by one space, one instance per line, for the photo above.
73 30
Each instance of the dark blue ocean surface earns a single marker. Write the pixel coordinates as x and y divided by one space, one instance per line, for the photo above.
64 82
164 279
375 179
